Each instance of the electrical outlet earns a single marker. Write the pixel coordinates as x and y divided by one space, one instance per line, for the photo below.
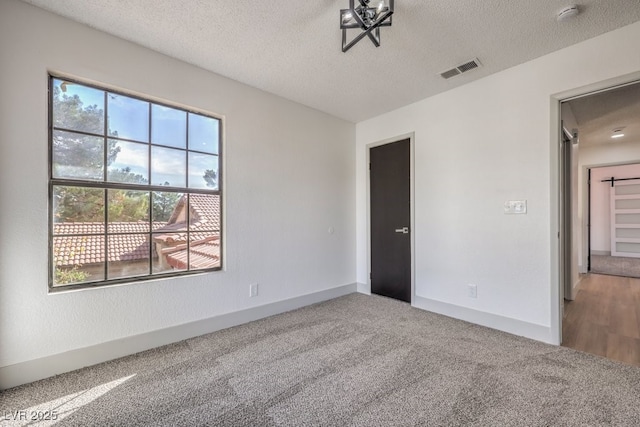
473 291
253 290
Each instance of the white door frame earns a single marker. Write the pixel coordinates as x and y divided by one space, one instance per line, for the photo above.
411 138
556 294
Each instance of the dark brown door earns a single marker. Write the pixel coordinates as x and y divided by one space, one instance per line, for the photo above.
390 199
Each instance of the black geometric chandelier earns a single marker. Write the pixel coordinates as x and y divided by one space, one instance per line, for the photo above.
367 18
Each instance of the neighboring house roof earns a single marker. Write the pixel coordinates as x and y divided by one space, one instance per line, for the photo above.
98 227
74 245
74 250
204 215
204 253
204 212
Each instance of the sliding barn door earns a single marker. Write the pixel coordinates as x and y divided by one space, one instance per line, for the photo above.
625 219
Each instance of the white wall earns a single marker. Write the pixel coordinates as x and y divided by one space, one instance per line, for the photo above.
289 177
476 147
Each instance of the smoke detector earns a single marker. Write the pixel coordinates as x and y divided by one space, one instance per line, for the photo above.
568 12
617 132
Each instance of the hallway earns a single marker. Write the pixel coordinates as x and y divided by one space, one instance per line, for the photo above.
604 319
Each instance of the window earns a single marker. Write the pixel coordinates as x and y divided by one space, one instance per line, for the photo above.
134 188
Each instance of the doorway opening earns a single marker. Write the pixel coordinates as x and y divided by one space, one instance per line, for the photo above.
600 222
614 212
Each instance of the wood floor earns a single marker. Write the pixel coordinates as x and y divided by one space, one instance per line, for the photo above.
604 319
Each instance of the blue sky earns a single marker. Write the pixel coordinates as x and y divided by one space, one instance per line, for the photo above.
129 117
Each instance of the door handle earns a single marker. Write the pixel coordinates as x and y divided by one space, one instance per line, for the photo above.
403 230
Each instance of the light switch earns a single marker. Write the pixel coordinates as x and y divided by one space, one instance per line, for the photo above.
515 207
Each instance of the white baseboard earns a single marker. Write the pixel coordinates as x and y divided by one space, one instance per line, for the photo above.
363 288
37 369
494 321
576 286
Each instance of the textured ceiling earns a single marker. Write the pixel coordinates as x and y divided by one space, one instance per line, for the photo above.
292 48
599 114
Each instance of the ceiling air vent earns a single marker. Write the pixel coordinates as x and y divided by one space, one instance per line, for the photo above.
462 68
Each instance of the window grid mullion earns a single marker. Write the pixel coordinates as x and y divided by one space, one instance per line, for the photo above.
106 233
107 187
187 145
151 245
106 191
79 132
105 138
51 263
130 187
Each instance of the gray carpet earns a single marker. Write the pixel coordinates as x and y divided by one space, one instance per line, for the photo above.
352 361
615 266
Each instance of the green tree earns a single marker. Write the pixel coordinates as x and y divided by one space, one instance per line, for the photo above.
211 177
128 206
164 203
64 276
125 175
71 149
80 204
70 113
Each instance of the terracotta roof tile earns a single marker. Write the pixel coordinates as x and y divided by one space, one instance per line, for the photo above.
73 250
204 253
82 250
98 227
80 247
130 227
204 212
128 247
78 228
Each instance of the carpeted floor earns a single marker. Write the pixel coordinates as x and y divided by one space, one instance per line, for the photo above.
354 361
616 266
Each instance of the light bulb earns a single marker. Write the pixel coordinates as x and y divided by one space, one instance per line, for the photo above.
617 132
